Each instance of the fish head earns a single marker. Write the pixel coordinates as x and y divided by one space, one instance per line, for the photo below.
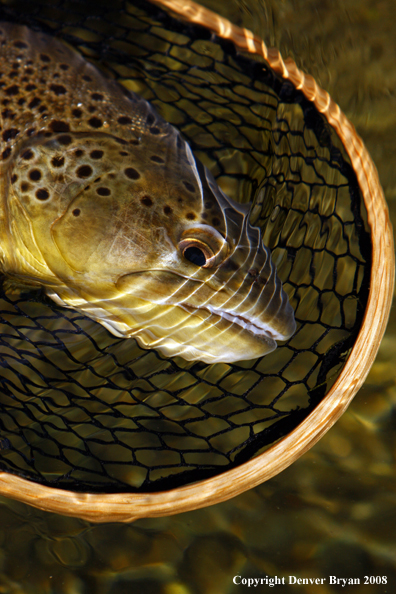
228 301
139 236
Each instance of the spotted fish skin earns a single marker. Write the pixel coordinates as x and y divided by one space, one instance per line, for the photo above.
104 205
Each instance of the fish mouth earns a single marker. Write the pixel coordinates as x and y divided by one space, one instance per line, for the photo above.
247 323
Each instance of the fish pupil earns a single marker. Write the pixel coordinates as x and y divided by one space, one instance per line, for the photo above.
195 255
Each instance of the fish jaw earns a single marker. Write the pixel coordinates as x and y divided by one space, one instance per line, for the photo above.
210 319
173 330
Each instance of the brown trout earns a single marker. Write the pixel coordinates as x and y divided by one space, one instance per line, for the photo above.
104 206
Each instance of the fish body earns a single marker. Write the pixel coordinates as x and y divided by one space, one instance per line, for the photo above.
104 205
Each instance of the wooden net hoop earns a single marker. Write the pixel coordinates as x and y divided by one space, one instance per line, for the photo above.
125 507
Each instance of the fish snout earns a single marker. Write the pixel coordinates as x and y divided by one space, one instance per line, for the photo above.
254 294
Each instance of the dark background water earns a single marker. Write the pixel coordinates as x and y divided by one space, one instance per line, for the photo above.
333 513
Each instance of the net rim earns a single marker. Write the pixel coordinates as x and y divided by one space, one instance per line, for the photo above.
126 507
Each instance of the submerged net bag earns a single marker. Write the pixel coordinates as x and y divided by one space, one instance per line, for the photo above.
92 425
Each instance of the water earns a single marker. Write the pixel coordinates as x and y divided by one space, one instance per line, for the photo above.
333 512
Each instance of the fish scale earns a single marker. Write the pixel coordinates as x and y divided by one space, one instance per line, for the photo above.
105 206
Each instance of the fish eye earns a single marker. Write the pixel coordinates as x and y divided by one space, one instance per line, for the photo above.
203 246
197 252
195 255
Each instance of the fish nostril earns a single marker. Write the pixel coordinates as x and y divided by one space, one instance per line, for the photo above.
253 272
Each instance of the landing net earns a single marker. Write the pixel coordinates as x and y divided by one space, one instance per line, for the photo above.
83 410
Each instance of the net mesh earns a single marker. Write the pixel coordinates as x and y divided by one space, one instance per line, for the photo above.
83 410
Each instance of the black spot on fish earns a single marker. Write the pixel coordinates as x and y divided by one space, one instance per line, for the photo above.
76 212
167 210
96 154
95 122
20 44
10 134
146 201
155 130
87 78
124 120
42 194
24 187
131 173
215 222
11 91
14 178
27 155
34 103
97 97
84 171
35 175
103 191
150 119
79 153
31 87
59 126
45 58
58 89
190 216
6 153
58 161
64 66
77 113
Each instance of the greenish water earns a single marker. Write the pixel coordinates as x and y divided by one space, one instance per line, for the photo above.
333 513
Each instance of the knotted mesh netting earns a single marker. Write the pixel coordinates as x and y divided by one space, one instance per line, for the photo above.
83 410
